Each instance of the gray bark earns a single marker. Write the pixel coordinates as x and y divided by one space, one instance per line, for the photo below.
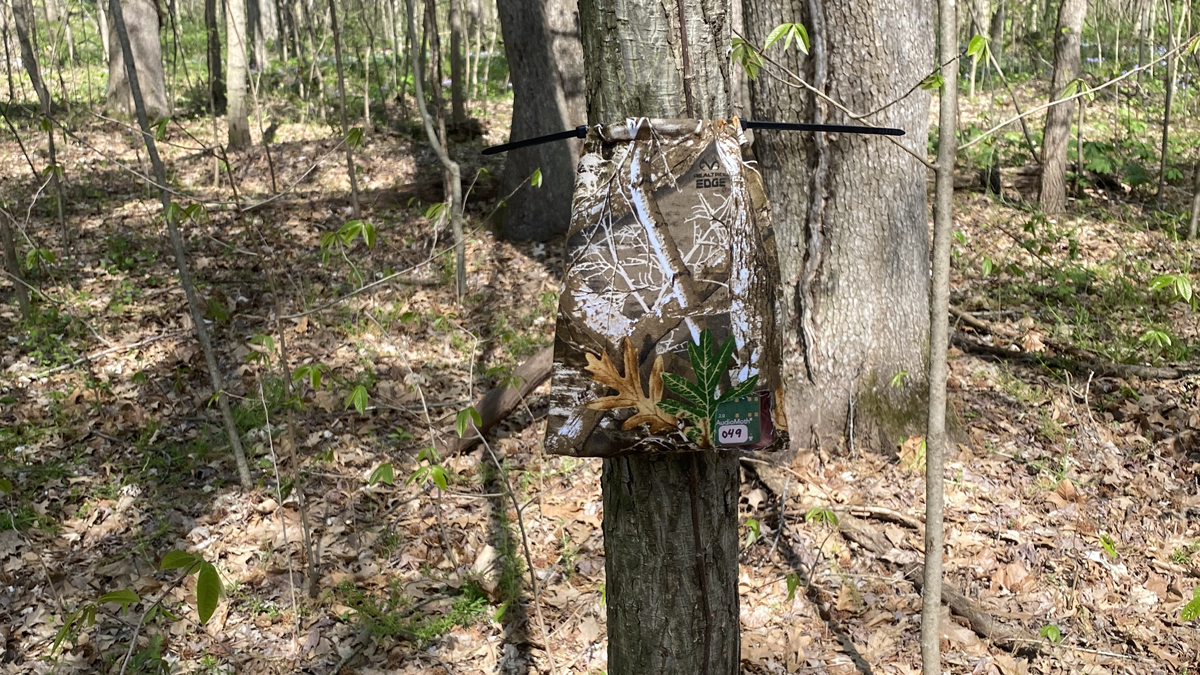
143 25
545 60
939 343
1058 119
851 219
657 600
237 56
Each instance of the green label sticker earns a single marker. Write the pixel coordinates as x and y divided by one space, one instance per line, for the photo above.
738 421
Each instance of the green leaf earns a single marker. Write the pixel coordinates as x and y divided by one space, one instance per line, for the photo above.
933 81
747 57
977 46
358 399
788 32
464 420
355 137
208 590
125 597
818 515
536 179
384 473
1109 546
987 266
438 474
898 379
174 560
1051 632
739 390
6 486
754 532
793 582
160 129
368 234
1191 611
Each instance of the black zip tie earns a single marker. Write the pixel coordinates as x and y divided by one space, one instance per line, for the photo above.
581 132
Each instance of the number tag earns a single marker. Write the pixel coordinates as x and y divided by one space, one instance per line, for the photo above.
738 421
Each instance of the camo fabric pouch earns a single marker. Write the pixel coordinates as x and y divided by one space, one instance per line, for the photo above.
667 336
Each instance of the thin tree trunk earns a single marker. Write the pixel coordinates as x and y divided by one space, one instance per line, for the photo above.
487 66
337 55
216 81
1169 87
939 342
23 18
435 80
451 167
185 277
1058 119
102 22
12 91
458 113
1195 224
12 265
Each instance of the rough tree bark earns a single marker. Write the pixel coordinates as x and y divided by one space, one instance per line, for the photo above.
939 343
851 219
1058 119
143 22
458 71
13 268
545 61
124 43
236 56
216 81
657 602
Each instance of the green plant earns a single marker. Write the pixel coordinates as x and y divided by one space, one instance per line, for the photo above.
1109 545
1051 632
821 515
702 398
753 531
208 582
341 239
1191 611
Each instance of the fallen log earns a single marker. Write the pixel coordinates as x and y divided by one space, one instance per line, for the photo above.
500 401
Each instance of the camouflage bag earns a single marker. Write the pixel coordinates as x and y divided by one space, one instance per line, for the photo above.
666 331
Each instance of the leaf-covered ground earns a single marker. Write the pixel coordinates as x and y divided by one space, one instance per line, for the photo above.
1072 500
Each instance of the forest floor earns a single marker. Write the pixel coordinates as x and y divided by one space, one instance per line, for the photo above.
1073 502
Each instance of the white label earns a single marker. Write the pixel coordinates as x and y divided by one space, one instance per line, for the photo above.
733 434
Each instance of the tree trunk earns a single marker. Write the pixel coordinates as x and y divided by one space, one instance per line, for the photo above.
143 25
1058 119
666 613
102 23
996 31
23 19
337 55
12 266
129 58
8 61
458 75
1195 223
850 216
216 81
939 344
1169 87
236 55
545 60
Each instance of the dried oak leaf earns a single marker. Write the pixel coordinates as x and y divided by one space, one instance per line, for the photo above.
629 390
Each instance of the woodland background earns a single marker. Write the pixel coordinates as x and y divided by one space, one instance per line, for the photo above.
296 415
